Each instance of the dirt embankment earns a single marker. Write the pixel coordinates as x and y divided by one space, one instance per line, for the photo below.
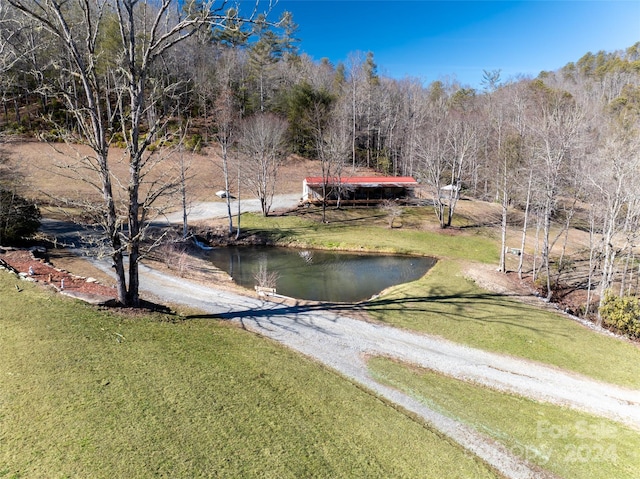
35 265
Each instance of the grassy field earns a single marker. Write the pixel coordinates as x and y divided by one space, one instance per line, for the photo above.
88 393
565 442
366 229
446 304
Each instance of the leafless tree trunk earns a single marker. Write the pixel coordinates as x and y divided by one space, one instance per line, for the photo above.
147 30
432 169
184 166
592 258
536 249
355 67
631 231
333 154
556 128
461 140
183 198
506 110
565 234
238 163
262 142
615 179
523 242
504 205
336 148
226 119
431 148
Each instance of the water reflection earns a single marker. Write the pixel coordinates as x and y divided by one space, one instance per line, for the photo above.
320 275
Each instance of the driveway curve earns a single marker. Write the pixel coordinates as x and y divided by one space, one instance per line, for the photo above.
343 343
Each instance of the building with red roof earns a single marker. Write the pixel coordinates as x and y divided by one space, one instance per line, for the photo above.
358 189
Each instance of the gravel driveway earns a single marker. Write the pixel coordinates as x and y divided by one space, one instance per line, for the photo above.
343 343
218 209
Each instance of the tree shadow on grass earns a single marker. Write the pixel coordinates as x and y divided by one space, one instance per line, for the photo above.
488 308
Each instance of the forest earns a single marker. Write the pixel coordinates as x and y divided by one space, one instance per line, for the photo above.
561 148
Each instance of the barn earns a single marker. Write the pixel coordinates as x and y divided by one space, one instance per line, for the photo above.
358 190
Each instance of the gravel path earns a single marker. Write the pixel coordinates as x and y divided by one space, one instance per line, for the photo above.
218 209
343 343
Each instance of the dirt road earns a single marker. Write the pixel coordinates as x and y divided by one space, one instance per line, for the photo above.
343 344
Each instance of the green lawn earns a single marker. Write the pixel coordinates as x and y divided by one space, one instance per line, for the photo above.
367 229
446 304
88 393
568 443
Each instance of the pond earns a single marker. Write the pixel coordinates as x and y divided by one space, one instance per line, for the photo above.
319 275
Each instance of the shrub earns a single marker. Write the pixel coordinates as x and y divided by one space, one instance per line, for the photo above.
117 140
622 313
194 143
392 209
540 284
19 217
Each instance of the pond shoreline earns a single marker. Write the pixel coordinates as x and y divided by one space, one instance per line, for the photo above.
318 274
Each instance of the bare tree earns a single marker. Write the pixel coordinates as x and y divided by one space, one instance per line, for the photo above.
392 209
17 45
354 84
333 152
556 128
336 146
495 120
262 142
363 83
461 140
431 147
615 180
184 165
525 221
226 119
414 109
447 140
146 30
508 127
184 174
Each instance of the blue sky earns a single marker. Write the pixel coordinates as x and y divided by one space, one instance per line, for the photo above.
433 40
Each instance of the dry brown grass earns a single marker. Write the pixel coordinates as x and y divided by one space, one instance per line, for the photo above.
46 168
478 213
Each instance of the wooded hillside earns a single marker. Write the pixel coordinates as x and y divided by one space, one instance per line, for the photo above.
549 145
